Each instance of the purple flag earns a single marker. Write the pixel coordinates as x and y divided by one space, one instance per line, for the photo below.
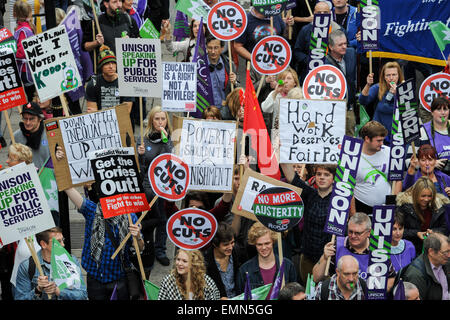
398 149
400 291
380 250
204 90
114 293
181 26
82 58
344 184
277 284
247 289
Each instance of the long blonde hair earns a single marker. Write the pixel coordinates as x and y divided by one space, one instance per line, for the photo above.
151 116
22 12
421 184
383 85
197 270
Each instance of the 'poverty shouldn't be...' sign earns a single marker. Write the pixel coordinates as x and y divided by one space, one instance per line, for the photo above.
139 67
23 206
51 62
12 93
227 20
271 55
325 82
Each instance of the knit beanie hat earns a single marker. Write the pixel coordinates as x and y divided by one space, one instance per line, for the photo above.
106 55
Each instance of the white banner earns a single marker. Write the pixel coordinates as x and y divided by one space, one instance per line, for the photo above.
179 89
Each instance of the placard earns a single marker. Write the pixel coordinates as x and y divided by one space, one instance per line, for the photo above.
139 67
148 30
312 130
179 89
51 62
119 186
252 184
12 93
227 20
23 205
370 24
169 177
436 85
325 82
7 40
319 40
398 149
271 55
81 134
208 147
409 113
191 228
269 8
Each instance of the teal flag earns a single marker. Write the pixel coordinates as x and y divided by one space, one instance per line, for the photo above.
195 9
48 182
65 271
440 33
148 30
151 290
259 293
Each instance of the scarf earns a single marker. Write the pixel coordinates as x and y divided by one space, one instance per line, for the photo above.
33 138
99 229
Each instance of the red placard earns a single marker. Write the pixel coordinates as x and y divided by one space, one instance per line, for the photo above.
169 176
271 55
227 20
325 82
12 93
436 85
191 228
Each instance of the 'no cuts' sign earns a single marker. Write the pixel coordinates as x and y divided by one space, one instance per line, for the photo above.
325 82
227 20
271 55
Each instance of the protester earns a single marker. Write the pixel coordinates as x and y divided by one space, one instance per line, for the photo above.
436 132
411 291
212 113
186 46
158 127
188 279
233 105
158 12
424 211
127 7
33 286
426 160
384 92
372 184
25 28
292 291
263 268
402 250
315 213
102 89
222 261
355 244
344 58
346 16
429 271
345 284
222 78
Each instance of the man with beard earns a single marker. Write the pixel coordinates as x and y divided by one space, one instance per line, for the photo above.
32 134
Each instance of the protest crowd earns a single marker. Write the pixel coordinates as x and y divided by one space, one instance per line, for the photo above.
293 150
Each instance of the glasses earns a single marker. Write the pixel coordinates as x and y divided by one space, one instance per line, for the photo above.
445 253
213 48
355 233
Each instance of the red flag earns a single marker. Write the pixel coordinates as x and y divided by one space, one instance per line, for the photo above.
255 127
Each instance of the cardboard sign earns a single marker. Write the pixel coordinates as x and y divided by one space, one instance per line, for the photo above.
380 250
208 147
398 149
252 184
119 185
436 85
325 82
148 30
52 64
271 55
12 93
169 177
370 24
227 20
269 8
23 206
409 114
344 184
312 130
179 89
191 228
79 135
319 40
139 67
278 208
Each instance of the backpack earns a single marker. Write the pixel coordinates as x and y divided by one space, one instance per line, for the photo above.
325 290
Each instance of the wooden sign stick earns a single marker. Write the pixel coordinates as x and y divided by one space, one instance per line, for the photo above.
231 62
138 252
327 269
95 17
64 105
309 8
141 113
30 244
8 123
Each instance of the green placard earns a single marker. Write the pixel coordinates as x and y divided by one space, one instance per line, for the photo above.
148 30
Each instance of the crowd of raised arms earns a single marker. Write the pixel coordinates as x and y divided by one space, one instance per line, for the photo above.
244 254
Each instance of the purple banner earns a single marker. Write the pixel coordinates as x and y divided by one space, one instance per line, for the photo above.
204 90
319 40
344 184
82 58
181 27
398 149
380 249
370 24
409 115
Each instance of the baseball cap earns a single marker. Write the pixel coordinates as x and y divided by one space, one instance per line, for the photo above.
32 108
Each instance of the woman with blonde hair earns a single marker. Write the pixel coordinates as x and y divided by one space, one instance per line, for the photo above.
188 279
424 211
391 76
19 153
156 141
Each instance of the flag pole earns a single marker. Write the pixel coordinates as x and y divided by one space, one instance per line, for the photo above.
280 253
141 113
231 62
327 269
241 167
309 8
138 252
30 245
95 17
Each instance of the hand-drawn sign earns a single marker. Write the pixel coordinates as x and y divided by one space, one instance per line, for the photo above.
278 208
227 20
325 82
191 228
436 85
271 55
169 176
